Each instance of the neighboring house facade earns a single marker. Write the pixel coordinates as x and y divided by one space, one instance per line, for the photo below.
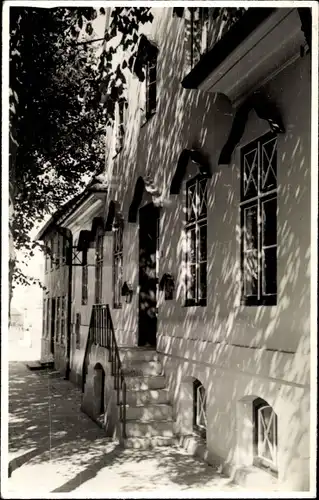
197 258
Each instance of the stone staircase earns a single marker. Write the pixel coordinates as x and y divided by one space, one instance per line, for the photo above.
149 418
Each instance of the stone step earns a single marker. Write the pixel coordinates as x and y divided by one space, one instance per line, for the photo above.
157 396
136 428
39 365
131 368
144 443
131 354
141 383
149 412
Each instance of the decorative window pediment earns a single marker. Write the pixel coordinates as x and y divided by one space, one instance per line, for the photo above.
197 157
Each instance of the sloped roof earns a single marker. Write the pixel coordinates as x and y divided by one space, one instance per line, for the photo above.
68 207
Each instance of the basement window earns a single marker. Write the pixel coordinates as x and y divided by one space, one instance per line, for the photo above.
199 409
265 435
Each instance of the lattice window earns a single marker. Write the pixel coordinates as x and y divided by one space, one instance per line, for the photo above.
84 282
99 266
197 33
44 317
78 330
196 241
120 124
259 221
47 325
200 416
53 251
151 70
65 246
58 320
117 265
58 251
63 319
266 435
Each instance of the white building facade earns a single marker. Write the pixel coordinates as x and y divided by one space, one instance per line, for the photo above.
200 246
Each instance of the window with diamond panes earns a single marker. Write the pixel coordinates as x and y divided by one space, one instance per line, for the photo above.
84 280
200 417
196 241
117 265
47 323
121 111
265 435
197 33
63 317
151 69
77 330
98 267
58 319
44 317
258 209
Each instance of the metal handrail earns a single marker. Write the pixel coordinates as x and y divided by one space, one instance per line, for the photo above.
103 334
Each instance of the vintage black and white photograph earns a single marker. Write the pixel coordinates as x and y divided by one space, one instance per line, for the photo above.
159 249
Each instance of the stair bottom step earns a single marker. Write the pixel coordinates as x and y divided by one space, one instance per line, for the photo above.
144 443
38 365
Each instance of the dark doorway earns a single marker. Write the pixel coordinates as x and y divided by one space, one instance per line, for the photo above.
52 333
148 242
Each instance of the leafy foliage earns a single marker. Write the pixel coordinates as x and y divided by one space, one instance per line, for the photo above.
63 90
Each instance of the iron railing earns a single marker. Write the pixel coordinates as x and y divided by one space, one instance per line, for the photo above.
103 335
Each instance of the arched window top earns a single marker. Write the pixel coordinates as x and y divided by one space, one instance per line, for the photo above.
143 185
265 435
198 158
114 215
97 227
199 408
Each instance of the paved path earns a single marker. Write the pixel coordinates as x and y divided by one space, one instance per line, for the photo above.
54 447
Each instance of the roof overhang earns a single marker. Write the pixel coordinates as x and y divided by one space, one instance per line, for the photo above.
254 50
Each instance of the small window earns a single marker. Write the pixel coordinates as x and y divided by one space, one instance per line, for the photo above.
53 252
78 331
58 250
47 256
151 69
58 320
99 267
44 317
200 417
47 326
120 124
117 264
63 318
84 281
196 241
258 209
197 33
64 249
265 435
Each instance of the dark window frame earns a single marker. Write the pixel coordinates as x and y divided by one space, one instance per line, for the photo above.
118 230
99 249
198 29
63 319
57 319
198 390
85 279
196 227
254 196
78 330
151 83
258 429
